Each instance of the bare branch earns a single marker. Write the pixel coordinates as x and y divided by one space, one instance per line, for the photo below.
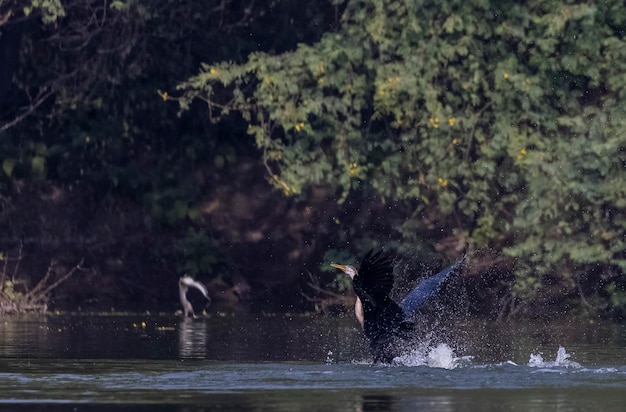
4 19
4 271
17 263
42 282
63 278
42 97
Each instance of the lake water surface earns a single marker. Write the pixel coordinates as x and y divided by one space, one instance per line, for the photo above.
303 363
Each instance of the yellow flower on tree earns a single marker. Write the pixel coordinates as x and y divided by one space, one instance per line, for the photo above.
354 168
451 121
434 122
299 126
442 182
390 86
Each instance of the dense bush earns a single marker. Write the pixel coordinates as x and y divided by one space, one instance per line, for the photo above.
503 121
485 124
87 132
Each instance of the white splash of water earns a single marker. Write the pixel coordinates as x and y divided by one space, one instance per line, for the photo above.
329 358
413 358
440 356
536 360
562 356
562 360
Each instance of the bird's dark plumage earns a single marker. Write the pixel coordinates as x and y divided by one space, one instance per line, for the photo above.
375 278
383 319
386 323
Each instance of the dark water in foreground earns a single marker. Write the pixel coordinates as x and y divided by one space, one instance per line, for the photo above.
282 363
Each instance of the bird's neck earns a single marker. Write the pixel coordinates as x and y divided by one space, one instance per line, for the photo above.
358 311
182 290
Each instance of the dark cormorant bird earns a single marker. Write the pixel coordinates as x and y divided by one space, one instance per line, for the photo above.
387 324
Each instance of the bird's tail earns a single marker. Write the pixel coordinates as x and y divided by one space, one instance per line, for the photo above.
427 288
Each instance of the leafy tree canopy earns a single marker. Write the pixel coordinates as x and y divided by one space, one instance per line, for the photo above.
504 119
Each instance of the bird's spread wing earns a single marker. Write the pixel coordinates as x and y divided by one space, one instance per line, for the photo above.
189 282
374 281
416 298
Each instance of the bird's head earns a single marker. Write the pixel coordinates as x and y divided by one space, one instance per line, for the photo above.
185 282
347 269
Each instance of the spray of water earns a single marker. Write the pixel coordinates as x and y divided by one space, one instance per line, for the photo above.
443 356
562 360
329 358
440 356
435 331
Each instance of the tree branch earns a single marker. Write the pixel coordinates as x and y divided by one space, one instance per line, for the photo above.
43 96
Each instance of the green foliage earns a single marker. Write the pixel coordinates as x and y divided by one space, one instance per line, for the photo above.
8 164
499 122
87 107
51 10
173 205
26 160
225 154
200 253
503 117
8 292
340 282
617 298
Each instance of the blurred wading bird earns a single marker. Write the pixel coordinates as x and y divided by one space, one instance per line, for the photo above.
184 283
386 323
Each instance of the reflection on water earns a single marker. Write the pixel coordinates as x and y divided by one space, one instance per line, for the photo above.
27 335
270 338
302 363
225 338
257 338
192 339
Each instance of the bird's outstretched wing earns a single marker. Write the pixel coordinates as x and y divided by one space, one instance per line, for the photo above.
189 282
416 298
374 281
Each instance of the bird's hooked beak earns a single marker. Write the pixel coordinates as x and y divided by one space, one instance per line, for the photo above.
347 269
340 267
